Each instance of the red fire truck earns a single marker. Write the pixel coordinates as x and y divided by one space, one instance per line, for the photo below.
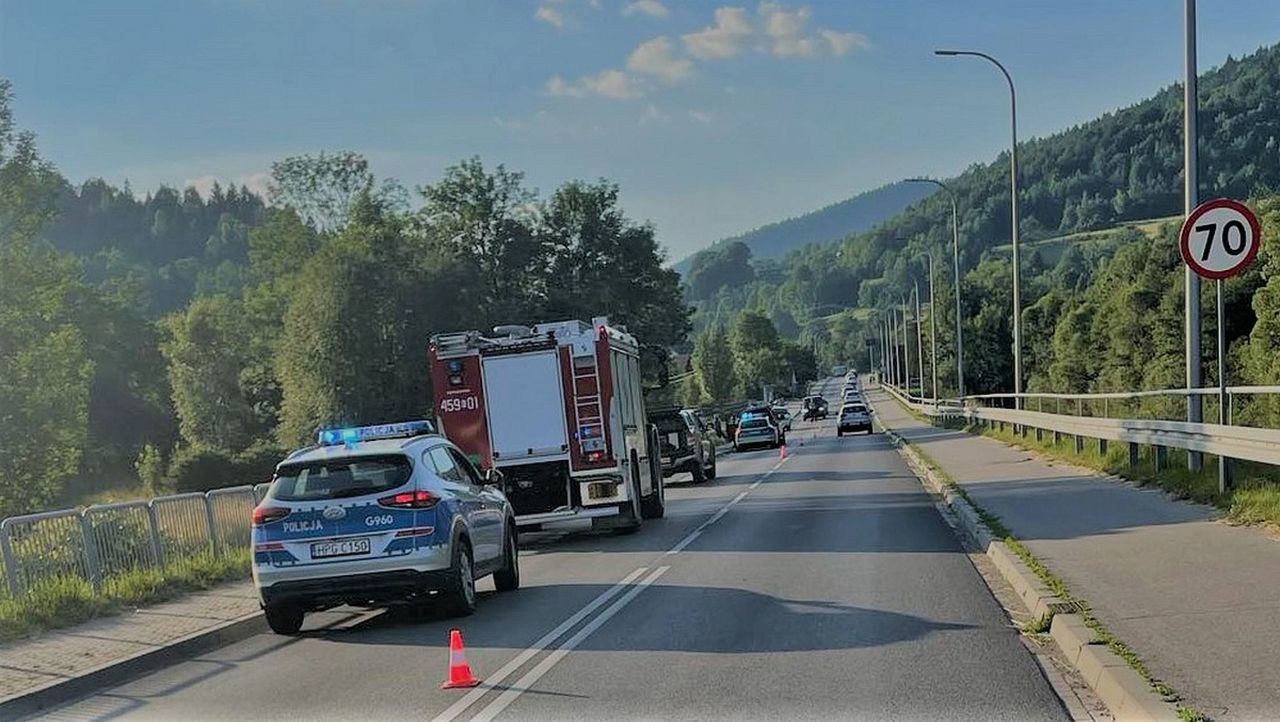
558 411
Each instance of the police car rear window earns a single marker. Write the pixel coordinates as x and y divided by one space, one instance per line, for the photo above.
340 478
755 422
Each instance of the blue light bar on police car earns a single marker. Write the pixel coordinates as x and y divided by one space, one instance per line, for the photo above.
356 434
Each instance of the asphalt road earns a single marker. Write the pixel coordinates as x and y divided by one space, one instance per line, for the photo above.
823 586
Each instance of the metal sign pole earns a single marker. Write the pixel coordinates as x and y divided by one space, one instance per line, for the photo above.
1224 462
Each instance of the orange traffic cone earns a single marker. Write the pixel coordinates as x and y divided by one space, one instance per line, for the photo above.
459 671
782 451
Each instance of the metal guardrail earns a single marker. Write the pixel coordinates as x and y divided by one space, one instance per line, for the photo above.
1237 442
97 544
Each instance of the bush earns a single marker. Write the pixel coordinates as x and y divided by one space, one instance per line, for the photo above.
205 469
151 470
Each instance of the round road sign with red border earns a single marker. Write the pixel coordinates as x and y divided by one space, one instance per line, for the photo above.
1220 238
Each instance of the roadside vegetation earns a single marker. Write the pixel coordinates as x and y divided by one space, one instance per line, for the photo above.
68 600
1254 499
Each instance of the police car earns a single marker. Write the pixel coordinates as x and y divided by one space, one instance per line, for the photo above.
375 515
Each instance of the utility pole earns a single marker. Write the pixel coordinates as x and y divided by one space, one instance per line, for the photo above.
955 259
919 335
1191 198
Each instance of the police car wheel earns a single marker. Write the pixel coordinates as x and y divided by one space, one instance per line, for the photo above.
461 600
507 578
283 618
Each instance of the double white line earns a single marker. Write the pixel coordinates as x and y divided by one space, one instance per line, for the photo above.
628 588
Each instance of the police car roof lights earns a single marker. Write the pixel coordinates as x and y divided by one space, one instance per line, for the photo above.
354 435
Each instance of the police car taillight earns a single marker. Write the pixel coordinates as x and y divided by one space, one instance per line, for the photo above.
267 514
410 500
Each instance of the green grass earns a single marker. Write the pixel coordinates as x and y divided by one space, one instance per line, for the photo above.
1061 590
1255 498
66 601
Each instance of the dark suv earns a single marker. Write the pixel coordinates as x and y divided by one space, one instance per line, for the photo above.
686 443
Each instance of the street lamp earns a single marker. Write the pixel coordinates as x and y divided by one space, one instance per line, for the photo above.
933 332
919 335
906 344
955 259
1013 181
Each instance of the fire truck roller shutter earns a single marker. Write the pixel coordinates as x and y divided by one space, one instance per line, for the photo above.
526 407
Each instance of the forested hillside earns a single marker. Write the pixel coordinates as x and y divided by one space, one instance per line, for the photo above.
1098 316
185 342
852 215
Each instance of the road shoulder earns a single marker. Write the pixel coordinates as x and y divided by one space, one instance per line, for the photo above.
61 665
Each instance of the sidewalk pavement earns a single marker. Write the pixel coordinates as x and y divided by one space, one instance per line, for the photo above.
1196 599
58 665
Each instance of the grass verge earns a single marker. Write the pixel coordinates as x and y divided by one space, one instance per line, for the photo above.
1061 590
66 601
1254 499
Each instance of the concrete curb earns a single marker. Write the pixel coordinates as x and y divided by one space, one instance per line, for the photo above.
1125 693
121 670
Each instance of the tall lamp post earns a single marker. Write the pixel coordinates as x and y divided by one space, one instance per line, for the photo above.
955 260
1013 181
919 335
906 345
933 332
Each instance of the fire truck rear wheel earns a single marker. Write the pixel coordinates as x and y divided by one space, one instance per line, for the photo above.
654 506
630 516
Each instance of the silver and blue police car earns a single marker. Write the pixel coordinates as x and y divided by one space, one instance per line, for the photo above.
375 515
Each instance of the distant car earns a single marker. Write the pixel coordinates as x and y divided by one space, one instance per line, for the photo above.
758 430
686 443
853 417
375 515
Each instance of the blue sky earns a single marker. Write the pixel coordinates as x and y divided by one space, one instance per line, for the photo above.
714 117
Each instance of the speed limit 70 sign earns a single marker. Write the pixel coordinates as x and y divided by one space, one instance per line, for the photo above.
1220 238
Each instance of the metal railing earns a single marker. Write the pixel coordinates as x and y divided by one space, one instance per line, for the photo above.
1234 441
99 543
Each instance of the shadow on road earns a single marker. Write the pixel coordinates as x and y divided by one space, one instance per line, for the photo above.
710 621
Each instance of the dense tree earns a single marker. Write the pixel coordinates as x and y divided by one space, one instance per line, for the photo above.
713 365
605 264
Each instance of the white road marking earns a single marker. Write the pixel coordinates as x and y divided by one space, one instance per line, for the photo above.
508 696
519 660
680 545
684 542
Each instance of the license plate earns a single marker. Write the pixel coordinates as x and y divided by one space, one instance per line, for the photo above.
601 490
340 548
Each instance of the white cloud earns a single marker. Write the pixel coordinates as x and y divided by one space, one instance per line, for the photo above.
607 83
701 116
773 29
842 43
558 86
612 84
788 36
723 40
655 58
785 29
653 114
550 15
652 8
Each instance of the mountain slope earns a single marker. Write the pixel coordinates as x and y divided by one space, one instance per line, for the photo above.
852 215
